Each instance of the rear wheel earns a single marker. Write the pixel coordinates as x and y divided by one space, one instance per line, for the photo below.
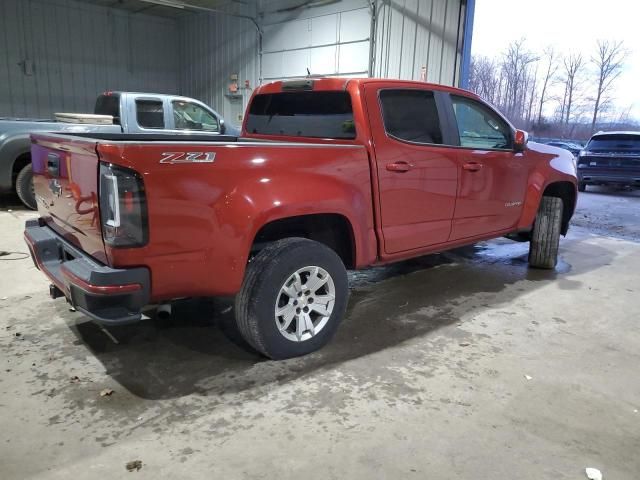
582 187
293 298
24 187
545 237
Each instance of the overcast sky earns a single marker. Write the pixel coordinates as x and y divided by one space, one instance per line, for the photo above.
570 26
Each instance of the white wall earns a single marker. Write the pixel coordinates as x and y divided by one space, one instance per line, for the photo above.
331 40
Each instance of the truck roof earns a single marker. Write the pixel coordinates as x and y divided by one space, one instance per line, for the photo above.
341 83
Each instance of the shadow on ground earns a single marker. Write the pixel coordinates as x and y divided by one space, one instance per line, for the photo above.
11 202
199 351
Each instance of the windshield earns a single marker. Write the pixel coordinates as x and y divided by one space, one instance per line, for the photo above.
615 143
302 114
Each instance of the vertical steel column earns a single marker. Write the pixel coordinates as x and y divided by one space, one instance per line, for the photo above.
466 43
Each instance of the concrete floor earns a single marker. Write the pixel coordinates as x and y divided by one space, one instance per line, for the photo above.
461 365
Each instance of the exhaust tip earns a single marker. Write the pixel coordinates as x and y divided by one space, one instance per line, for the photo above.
55 292
163 312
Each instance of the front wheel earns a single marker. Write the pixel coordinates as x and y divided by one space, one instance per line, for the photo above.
293 298
24 187
582 187
545 237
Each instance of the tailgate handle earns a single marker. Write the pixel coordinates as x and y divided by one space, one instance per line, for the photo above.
53 164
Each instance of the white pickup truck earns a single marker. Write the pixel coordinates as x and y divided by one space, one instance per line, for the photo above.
144 114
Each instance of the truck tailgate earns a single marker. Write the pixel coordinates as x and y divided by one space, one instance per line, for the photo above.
65 178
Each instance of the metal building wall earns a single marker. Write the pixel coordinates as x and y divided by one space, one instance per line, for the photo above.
212 48
412 35
58 55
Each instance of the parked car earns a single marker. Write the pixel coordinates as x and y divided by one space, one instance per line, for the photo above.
329 175
610 158
126 112
574 148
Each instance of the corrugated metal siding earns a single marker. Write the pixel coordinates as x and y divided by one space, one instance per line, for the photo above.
412 34
213 47
78 51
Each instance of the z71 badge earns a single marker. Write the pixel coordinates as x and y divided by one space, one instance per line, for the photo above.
188 157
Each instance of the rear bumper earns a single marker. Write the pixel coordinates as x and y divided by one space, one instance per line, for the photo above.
606 178
108 295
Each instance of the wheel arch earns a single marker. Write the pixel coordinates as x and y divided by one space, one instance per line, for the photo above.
21 161
331 229
15 153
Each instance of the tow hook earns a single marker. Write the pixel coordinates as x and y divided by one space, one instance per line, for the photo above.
55 292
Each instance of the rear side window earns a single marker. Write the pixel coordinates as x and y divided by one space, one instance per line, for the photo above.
150 113
411 115
480 127
302 114
615 143
108 105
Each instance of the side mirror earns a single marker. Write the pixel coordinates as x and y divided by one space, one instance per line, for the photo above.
520 140
223 127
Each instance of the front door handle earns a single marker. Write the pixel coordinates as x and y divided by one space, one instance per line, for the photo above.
399 166
472 166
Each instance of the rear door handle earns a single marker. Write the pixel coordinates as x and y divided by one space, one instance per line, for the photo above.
472 166
399 166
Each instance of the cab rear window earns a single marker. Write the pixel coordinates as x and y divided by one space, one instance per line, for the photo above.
615 142
302 114
108 104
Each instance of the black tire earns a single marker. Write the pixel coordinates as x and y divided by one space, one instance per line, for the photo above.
545 237
24 187
582 187
265 275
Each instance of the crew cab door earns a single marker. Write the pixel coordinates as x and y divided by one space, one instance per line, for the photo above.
492 176
417 174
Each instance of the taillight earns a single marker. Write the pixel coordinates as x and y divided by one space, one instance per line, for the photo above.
123 207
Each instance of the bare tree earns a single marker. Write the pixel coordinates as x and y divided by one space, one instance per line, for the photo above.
515 65
609 61
532 82
523 83
552 68
572 66
483 79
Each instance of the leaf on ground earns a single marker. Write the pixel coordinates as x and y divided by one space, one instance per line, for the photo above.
134 465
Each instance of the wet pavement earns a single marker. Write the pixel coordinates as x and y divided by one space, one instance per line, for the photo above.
463 364
610 211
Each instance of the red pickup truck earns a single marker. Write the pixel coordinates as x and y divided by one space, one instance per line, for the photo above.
327 175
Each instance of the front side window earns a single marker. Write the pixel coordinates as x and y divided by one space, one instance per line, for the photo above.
315 114
480 127
191 116
150 113
411 115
